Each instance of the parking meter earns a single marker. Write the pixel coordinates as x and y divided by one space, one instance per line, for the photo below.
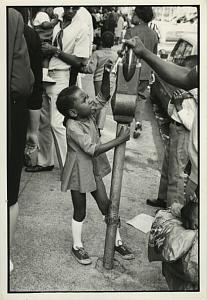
124 99
123 106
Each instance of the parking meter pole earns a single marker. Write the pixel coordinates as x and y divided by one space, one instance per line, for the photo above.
123 105
115 194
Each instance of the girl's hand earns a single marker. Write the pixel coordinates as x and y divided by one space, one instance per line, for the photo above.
48 49
124 133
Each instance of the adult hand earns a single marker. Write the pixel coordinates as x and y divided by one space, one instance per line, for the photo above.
48 49
136 44
32 139
178 97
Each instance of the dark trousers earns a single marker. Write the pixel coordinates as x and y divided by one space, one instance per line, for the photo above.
17 115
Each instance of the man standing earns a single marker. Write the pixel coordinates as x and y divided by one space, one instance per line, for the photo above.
20 82
142 16
70 48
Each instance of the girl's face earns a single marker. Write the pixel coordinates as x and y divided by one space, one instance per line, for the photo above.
82 104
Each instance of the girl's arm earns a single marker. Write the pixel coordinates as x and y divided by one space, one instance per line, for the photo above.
107 89
123 136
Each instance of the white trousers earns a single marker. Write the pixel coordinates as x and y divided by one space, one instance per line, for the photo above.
51 131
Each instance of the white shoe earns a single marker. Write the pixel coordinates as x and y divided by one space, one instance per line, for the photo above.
48 79
11 266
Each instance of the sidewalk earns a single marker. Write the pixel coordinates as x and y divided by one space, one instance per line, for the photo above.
41 252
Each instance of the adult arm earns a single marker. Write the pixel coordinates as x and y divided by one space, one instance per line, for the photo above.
91 66
22 78
80 51
69 59
171 73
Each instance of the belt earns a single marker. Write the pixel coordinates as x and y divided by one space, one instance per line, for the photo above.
176 123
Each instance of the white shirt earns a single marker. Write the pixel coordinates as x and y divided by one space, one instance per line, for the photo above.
40 18
84 16
75 42
193 149
186 115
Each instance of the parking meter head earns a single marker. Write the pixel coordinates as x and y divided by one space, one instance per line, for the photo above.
129 64
123 101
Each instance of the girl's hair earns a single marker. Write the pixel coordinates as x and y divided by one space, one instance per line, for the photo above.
145 13
65 101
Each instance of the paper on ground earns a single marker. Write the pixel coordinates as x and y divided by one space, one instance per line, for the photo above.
142 222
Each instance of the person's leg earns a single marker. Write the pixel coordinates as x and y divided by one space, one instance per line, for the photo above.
140 105
16 138
56 120
101 197
161 200
162 193
79 213
13 215
178 158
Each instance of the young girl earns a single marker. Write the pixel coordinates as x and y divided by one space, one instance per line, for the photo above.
86 162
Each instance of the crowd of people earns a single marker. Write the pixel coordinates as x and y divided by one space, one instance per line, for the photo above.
48 49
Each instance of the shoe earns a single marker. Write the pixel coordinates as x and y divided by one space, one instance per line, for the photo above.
34 169
48 79
156 203
81 256
137 130
124 252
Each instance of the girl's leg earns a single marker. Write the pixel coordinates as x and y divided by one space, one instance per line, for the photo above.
101 197
79 205
45 62
103 203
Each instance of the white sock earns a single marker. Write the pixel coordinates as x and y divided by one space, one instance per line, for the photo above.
76 233
118 241
45 71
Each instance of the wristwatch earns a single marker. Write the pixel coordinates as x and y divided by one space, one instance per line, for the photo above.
57 53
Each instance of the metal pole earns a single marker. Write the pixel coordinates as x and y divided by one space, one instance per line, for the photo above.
115 193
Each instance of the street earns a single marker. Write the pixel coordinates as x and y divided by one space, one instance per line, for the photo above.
42 248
